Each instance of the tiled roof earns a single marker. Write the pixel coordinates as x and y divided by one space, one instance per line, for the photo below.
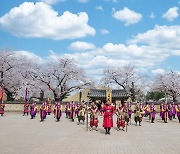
102 93
119 93
97 93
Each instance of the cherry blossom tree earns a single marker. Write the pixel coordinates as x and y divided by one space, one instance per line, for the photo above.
125 77
9 71
61 77
168 83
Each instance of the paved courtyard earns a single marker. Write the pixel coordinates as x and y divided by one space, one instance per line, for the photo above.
21 135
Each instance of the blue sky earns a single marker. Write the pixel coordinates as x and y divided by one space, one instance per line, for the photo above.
106 33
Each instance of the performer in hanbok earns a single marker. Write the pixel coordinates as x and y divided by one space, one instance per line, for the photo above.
26 108
72 111
178 112
32 111
42 112
77 109
129 107
26 105
170 112
165 111
58 111
108 110
49 108
174 110
66 110
152 113
146 109
161 114
93 116
138 114
126 114
35 108
45 109
120 117
81 113
2 106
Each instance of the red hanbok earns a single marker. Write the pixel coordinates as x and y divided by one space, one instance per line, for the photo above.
108 116
2 106
26 108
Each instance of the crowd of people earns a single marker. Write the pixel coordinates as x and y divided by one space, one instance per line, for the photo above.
168 111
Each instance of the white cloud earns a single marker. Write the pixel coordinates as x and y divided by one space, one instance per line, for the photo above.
128 16
94 60
152 16
39 20
158 71
171 14
104 31
83 1
161 37
81 46
146 51
51 1
99 8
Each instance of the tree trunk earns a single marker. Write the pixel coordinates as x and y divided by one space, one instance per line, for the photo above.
9 95
59 97
132 92
56 98
174 98
41 95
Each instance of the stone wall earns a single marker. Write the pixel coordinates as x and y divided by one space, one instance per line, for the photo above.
19 107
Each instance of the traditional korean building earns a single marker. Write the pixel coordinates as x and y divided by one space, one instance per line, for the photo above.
103 95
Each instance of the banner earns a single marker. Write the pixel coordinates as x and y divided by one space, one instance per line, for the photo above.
26 95
1 93
109 95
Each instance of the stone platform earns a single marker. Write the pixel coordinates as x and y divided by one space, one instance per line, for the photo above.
21 135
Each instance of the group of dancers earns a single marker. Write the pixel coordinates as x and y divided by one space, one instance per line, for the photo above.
44 110
168 111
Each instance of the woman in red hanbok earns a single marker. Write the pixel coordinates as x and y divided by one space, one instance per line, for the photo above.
108 110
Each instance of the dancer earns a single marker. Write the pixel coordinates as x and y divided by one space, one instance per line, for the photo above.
58 111
2 106
108 110
165 111
129 107
72 111
32 111
120 117
178 112
152 113
174 110
42 112
49 108
138 114
93 116
26 108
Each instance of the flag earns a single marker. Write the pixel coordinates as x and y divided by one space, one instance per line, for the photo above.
26 96
165 90
1 93
49 95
